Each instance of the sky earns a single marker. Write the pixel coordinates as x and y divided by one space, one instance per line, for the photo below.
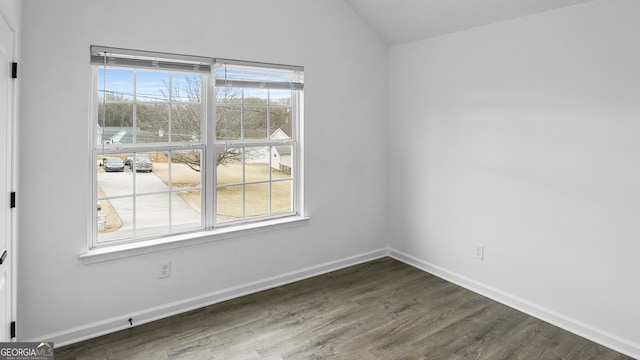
150 85
154 85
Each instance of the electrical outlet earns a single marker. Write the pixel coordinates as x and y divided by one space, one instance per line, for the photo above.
165 270
479 252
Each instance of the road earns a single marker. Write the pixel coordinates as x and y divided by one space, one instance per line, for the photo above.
152 214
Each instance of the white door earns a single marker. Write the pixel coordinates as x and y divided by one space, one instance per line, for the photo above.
6 150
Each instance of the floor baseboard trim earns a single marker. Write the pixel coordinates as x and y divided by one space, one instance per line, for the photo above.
572 325
95 329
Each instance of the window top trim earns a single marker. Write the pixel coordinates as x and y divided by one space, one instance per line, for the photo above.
257 65
118 57
111 56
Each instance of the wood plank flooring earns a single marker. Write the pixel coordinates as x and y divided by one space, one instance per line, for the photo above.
382 309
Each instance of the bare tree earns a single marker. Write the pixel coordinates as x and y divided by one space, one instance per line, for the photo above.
240 114
115 110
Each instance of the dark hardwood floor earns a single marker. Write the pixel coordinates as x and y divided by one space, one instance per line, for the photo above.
382 309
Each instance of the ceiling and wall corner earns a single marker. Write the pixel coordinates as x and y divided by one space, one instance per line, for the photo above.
399 22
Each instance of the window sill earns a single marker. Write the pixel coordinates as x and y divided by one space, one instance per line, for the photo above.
173 242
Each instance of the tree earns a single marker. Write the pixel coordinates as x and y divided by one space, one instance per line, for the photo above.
119 110
240 113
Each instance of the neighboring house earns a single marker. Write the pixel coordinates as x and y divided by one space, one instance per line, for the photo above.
281 155
114 135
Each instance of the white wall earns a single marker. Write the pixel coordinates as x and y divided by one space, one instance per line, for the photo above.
12 11
523 136
62 299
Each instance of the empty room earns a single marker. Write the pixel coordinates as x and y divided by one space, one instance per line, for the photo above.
321 179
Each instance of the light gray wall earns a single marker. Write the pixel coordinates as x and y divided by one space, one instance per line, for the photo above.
12 11
62 299
523 136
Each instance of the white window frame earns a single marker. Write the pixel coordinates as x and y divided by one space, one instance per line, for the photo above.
208 145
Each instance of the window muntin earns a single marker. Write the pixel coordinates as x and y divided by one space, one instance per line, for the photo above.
155 106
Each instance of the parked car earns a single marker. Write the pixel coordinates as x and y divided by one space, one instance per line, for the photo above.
142 163
113 164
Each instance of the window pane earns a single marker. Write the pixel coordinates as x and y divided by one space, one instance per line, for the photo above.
257 200
255 122
226 95
152 86
281 197
185 169
281 162
186 210
228 122
113 180
229 204
152 214
152 122
230 169
141 162
146 181
115 116
280 122
115 219
279 97
255 96
186 119
108 220
256 164
194 199
115 84
186 88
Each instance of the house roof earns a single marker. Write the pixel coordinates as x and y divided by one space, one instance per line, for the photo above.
282 132
283 150
286 128
142 136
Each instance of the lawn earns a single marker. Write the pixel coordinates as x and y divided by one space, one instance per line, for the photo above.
110 219
229 198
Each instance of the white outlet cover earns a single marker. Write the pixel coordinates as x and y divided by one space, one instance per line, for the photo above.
164 270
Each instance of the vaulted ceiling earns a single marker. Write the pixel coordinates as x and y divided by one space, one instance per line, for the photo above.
403 21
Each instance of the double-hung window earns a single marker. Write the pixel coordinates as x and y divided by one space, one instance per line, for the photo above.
187 143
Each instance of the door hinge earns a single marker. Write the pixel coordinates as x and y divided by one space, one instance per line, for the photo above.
13 329
14 70
12 203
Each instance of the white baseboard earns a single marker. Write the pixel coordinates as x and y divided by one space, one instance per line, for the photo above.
117 323
572 325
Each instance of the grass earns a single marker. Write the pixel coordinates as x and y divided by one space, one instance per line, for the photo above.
229 198
113 221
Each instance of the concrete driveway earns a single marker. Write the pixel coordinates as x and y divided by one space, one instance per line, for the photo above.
157 211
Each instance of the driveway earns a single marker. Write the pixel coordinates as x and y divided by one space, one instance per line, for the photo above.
152 215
